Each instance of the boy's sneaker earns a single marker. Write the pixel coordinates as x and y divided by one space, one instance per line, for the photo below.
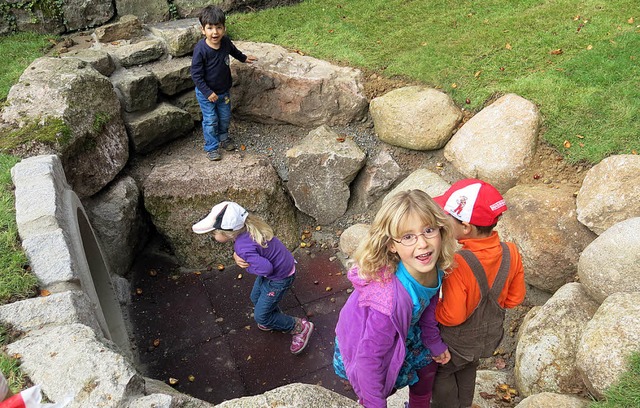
228 144
264 328
214 155
301 339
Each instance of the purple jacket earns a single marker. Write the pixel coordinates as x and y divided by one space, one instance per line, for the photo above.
275 262
371 332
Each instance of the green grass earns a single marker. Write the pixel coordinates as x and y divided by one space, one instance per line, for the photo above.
589 94
626 392
10 366
15 282
18 51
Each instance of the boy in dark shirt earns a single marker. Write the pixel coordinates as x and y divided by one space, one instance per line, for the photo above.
211 73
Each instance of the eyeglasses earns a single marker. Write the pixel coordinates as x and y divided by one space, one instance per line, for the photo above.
411 239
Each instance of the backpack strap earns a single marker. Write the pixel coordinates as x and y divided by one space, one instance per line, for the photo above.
481 276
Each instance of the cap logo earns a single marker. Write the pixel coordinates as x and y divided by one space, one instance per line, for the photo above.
461 201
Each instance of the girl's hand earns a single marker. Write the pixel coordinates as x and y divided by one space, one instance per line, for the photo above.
442 358
240 262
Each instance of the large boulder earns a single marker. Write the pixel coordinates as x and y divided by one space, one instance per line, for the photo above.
321 167
498 143
541 221
415 117
421 179
608 341
377 176
71 91
610 192
285 87
546 351
181 191
61 358
611 263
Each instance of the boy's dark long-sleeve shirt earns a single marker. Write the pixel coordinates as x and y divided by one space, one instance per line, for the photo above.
210 67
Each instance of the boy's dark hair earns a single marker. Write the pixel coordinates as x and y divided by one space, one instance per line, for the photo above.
211 15
482 230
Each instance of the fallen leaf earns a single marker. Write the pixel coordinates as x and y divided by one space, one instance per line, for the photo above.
239 276
330 31
243 147
44 293
486 395
580 136
319 228
467 101
138 291
198 273
340 139
191 378
248 358
501 68
303 244
423 44
566 144
454 85
557 51
153 272
156 342
173 381
220 267
630 20
589 47
315 282
328 289
477 74
299 52
634 151
507 46
581 144
576 18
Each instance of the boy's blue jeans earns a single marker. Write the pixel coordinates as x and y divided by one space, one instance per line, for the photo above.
266 295
216 117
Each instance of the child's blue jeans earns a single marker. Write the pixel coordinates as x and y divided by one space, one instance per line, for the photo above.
216 117
266 295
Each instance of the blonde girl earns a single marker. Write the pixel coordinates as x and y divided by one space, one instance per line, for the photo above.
262 254
387 335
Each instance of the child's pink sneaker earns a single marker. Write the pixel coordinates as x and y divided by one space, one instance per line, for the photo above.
263 327
301 339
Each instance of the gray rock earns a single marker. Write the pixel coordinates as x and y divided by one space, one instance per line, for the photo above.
541 221
285 87
127 27
415 117
173 75
546 352
550 399
149 11
100 60
137 88
180 192
62 360
116 215
421 179
610 192
352 237
187 101
82 14
377 176
98 147
151 129
608 341
320 171
129 54
293 395
56 309
498 143
180 36
611 263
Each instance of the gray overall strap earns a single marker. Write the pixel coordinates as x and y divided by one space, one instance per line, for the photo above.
481 276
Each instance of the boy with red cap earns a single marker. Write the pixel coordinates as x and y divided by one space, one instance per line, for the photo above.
487 278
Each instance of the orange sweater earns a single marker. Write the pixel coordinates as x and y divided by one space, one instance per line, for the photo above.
460 291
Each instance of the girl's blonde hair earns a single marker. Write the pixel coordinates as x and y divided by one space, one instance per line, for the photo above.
373 256
259 230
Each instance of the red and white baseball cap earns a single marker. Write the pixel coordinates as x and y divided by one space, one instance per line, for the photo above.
473 201
226 216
